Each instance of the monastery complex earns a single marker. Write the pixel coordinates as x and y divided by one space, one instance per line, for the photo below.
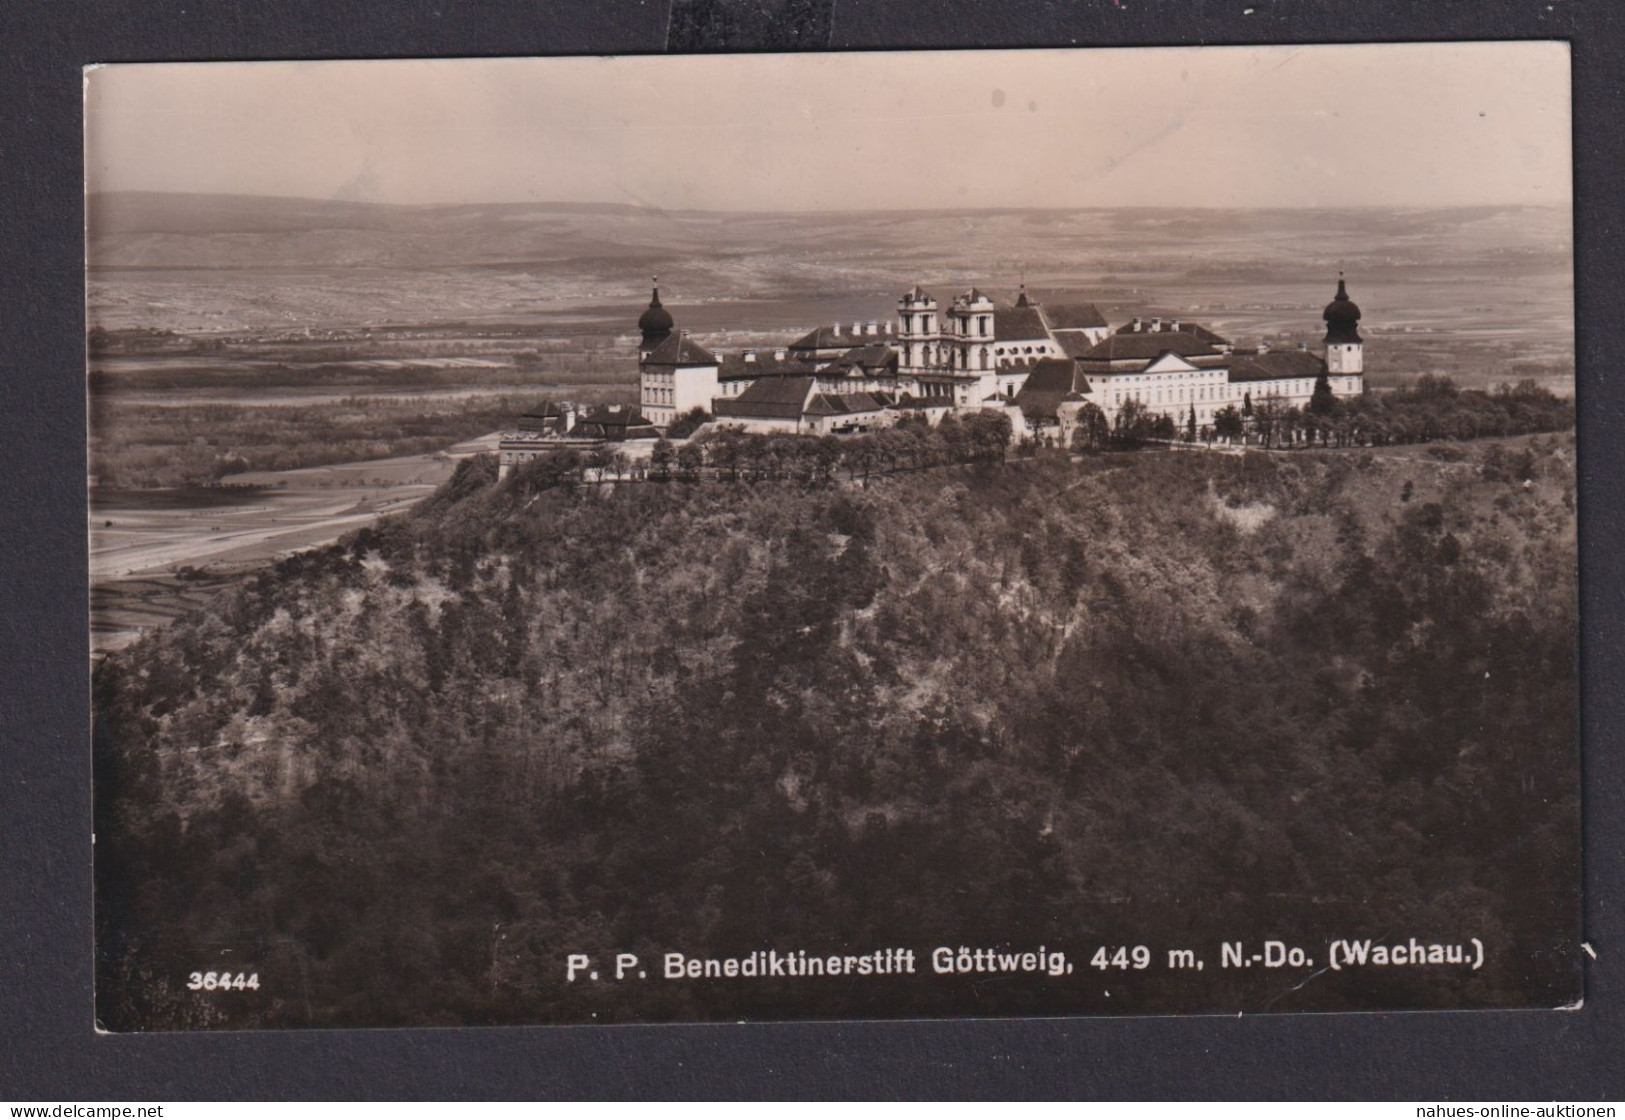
1041 365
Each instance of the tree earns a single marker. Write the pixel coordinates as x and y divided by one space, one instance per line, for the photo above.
722 452
987 434
688 423
1291 420
600 459
661 458
1092 430
1247 404
952 434
1228 424
1190 426
1133 424
690 458
1323 402
1266 420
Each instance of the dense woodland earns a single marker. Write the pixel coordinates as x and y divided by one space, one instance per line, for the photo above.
1115 699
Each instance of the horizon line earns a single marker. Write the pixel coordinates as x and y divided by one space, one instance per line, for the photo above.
91 193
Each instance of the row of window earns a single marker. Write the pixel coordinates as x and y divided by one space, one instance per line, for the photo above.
1186 394
957 358
961 325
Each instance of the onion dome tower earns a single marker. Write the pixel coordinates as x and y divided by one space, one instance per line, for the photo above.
1344 347
656 323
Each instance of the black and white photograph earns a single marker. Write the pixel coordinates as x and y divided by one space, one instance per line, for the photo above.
833 536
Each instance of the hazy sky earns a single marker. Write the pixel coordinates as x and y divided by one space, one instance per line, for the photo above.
1406 125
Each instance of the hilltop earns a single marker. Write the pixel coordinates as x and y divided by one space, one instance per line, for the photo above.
1127 698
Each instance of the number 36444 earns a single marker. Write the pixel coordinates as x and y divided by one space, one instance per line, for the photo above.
224 981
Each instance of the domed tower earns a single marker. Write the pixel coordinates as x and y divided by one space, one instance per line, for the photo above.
918 332
656 323
1345 350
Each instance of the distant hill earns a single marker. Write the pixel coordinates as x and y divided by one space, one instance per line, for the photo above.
140 229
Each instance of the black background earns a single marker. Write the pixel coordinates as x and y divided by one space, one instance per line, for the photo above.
49 1050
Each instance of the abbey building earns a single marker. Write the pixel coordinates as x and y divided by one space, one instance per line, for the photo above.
1042 365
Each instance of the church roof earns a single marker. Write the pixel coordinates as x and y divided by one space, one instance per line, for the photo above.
771 398
1024 323
1074 316
680 350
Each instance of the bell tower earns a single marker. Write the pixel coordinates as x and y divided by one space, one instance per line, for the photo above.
655 323
1345 349
919 331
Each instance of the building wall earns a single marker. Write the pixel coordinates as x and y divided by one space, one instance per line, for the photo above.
851 423
1345 357
695 388
762 425
665 393
1207 390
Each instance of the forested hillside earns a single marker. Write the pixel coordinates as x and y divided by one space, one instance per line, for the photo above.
1157 698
